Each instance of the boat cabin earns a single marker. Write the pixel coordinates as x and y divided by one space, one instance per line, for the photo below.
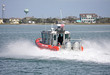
56 36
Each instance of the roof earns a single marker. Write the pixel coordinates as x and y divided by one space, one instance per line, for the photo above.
67 32
92 14
46 32
60 25
14 18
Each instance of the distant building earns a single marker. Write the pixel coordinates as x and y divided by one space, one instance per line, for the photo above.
28 18
88 18
14 20
78 20
31 22
6 21
1 21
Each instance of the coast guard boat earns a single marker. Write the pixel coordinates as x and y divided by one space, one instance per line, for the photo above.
57 39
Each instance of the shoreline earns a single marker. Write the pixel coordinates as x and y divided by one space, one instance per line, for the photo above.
65 24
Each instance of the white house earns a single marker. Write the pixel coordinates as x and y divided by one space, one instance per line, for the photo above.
14 20
88 18
1 21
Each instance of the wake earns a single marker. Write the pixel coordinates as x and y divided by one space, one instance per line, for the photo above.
98 52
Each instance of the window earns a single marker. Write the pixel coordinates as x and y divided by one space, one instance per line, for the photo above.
58 26
54 37
66 36
46 36
43 36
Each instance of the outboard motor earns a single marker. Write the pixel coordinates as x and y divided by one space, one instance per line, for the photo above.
68 45
76 46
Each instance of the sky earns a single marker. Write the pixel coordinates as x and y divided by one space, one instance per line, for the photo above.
51 8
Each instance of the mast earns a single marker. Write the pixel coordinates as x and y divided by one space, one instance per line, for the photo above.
61 15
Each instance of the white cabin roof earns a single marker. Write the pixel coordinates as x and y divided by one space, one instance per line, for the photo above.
67 32
60 24
53 32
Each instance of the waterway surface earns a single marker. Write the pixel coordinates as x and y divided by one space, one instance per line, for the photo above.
20 56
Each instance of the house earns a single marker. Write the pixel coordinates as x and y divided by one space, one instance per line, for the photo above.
6 21
78 20
28 20
31 22
1 21
88 18
14 20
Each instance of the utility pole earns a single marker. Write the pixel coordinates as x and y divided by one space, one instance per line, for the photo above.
3 9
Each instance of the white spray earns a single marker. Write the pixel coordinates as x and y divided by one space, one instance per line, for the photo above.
93 52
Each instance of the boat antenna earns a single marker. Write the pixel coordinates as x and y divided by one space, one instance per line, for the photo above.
61 15
52 27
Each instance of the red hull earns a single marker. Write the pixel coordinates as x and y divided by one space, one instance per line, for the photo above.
44 46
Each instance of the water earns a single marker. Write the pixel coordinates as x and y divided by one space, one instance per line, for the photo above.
20 56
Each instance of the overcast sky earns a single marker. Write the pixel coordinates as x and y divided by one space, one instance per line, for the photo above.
51 8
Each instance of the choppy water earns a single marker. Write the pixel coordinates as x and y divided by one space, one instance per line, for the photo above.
20 56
